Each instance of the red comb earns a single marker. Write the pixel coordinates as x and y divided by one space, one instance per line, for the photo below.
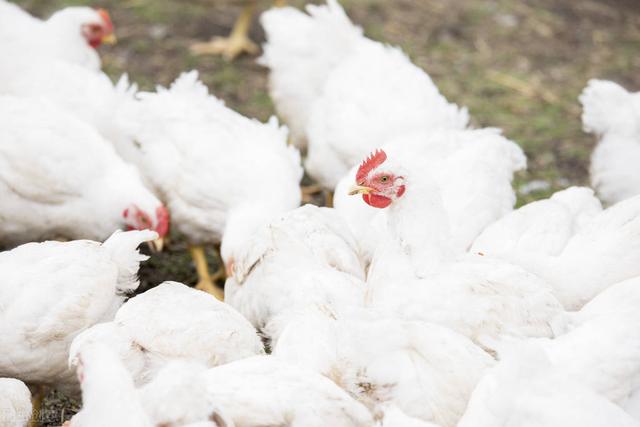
374 160
106 18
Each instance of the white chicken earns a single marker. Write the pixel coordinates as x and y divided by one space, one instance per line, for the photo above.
613 115
394 417
524 390
570 242
265 391
305 259
87 94
59 178
252 392
602 349
51 292
109 397
344 93
426 370
472 169
15 403
71 34
416 272
173 322
222 175
176 398
544 226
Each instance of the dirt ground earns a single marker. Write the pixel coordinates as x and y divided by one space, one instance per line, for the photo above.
517 65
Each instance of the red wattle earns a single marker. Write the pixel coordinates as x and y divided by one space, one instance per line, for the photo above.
376 200
162 213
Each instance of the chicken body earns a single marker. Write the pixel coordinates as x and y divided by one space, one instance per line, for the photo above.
345 94
172 322
613 115
417 258
525 390
252 392
472 170
578 249
305 259
15 403
59 178
222 175
264 390
425 370
87 94
51 292
601 350
109 396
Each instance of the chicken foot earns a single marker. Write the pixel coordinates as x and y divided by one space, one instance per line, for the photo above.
206 282
238 41
36 404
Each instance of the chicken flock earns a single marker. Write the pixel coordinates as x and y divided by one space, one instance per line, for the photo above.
421 298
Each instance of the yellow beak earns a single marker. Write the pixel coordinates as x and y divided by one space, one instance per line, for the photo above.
360 189
156 245
109 39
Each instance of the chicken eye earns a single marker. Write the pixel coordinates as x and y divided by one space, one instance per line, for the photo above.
384 178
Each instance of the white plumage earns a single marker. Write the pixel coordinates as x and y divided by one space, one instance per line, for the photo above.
52 291
602 348
305 258
524 390
15 403
222 175
544 226
472 169
589 251
109 396
418 274
360 94
394 417
65 35
424 369
263 390
88 95
59 178
613 115
176 397
300 64
172 322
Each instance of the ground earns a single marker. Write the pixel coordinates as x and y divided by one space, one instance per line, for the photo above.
517 65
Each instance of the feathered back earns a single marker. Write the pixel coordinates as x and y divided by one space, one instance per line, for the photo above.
301 50
15 401
524 390
613 114
608 107
182 126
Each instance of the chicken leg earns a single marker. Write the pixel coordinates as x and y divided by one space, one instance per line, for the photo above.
238 41
206 282
36 404
308 191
